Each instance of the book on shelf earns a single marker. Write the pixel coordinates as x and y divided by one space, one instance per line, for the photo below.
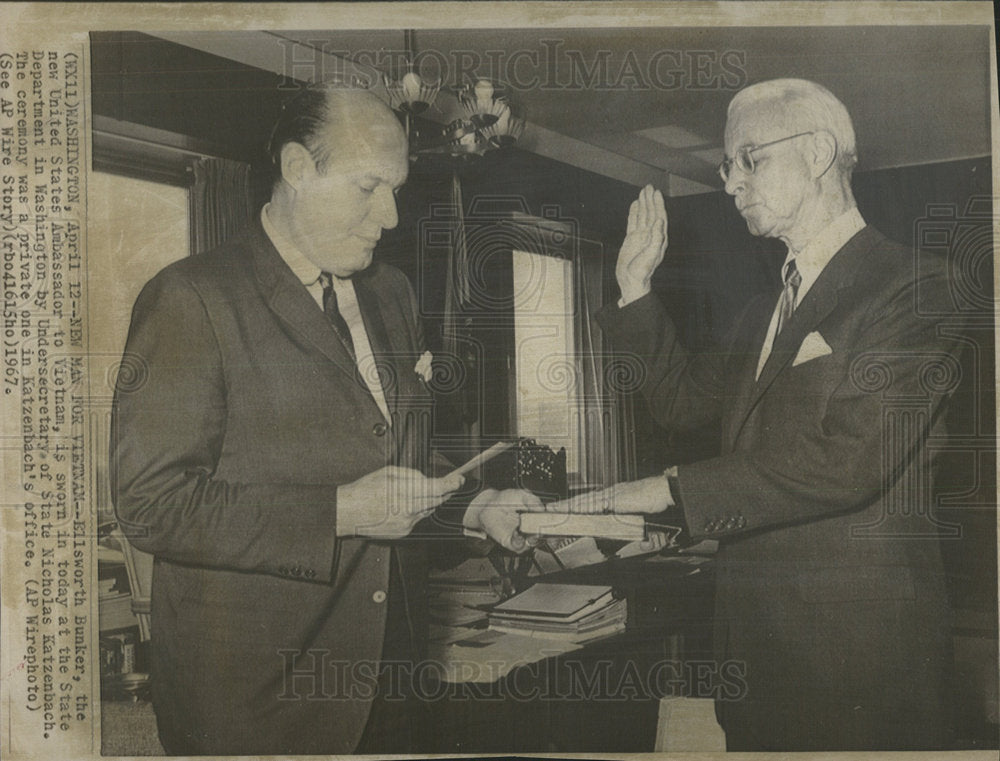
602 526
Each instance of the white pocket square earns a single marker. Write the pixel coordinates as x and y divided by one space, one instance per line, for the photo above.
813 346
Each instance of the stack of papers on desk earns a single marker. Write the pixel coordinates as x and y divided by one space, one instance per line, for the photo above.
574 612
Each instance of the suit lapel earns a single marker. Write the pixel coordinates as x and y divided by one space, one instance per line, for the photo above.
822 298
292 303
295 307
410 429
747 370
816 305
378 339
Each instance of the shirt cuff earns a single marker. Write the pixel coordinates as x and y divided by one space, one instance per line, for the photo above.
622 302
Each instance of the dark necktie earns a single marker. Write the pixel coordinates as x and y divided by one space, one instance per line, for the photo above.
793 279
333 313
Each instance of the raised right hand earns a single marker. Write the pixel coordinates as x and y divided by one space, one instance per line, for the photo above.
644 245
389 502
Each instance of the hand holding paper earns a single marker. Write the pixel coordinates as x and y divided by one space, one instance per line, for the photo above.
389 502
482 457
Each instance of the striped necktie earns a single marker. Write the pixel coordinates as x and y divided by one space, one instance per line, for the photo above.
793 279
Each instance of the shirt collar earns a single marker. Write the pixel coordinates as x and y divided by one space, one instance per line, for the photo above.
816 254
307 272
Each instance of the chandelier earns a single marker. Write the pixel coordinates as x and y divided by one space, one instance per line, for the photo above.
486 115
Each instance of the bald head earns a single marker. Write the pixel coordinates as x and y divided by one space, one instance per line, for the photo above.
350 115
318 115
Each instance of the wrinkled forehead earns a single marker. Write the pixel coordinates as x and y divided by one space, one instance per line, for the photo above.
755 124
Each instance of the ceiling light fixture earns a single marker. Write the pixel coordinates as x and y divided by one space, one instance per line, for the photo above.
488 116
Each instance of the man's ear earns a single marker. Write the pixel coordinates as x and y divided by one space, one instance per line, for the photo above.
824 146
296 164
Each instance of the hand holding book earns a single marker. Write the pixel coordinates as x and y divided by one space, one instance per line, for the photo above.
497 514
517 518
613 513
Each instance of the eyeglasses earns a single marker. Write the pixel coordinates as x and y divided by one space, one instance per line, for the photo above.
743 160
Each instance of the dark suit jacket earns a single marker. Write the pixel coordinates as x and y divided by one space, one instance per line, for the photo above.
242 415
830 596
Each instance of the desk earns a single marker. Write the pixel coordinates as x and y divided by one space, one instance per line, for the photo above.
603 696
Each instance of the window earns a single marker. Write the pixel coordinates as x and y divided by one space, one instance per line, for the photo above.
134 229
546 359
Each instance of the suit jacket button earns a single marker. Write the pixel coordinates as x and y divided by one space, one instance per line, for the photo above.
296 571
378 596
310 573
379 429
732 523
282 570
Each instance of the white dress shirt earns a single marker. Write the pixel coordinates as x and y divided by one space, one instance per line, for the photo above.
810 261
347 303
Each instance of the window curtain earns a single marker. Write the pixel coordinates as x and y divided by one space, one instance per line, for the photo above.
606 430
459 351
220 199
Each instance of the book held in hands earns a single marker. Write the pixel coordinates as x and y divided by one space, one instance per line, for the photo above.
601 526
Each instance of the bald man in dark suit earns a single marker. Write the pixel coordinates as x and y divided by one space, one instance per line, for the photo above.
273 461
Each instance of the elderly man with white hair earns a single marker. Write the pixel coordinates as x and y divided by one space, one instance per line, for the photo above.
830 600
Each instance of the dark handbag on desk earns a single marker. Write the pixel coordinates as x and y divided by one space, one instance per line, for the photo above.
531 466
